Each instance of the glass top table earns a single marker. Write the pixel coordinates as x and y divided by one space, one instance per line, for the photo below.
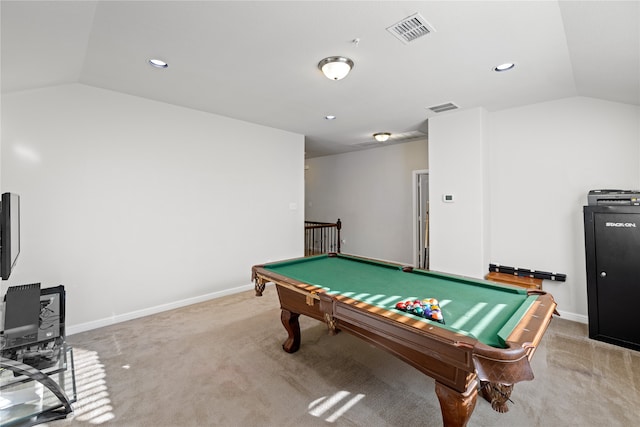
30 396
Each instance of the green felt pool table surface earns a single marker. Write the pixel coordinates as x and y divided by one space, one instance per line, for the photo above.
483 310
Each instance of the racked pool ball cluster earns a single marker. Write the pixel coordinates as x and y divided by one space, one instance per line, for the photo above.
428 308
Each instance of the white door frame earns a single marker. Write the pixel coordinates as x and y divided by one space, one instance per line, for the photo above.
416 212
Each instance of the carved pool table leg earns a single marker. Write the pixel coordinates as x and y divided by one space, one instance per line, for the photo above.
497 394
291 324
456 407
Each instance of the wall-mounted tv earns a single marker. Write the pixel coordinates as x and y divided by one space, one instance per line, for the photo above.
9 233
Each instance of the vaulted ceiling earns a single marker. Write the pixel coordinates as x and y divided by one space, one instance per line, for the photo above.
257 60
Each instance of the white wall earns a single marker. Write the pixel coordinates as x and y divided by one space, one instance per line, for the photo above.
371 192
138 206
457 166
542 161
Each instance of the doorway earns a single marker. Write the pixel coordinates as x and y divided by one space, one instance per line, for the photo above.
421 218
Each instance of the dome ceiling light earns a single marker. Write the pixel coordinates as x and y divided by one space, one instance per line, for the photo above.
335 67
382 136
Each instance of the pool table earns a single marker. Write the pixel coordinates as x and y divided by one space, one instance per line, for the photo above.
488 337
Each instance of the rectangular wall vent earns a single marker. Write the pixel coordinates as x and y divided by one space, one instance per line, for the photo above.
411 28
443 107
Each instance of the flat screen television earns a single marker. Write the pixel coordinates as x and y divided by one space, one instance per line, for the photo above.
9 233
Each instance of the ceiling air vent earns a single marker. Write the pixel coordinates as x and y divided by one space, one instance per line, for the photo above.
411 28
443 107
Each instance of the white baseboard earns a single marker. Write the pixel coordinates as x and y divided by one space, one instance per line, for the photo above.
580 318
82 327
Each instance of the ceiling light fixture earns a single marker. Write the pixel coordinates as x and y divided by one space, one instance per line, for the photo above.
382 136
330 117
335 67
158 63
504 67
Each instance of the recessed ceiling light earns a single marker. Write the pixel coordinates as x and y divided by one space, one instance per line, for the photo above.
504 67
330 117
158 63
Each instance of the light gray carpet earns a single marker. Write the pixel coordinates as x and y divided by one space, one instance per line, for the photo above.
220 363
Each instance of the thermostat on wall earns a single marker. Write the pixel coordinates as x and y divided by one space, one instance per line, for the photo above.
447 198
